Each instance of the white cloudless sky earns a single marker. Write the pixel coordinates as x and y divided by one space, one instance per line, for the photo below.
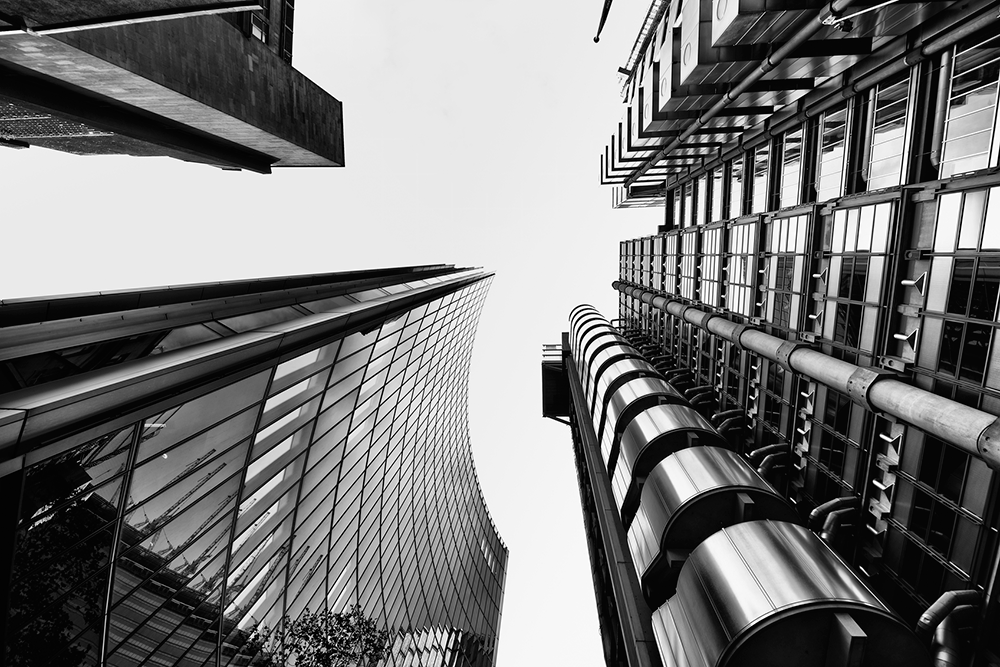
472 133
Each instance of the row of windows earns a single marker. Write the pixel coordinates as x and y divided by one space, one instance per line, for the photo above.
860 145
914 282
338 457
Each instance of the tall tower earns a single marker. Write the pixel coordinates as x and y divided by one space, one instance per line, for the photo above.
821 295
183 465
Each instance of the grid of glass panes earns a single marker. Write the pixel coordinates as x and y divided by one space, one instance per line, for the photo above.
689 264
858 247
670 259
646 262
287 28
658 246
785 258
35 369
833 131
790 187
741 268
889 120
734 380
936 537
970 134
736 173
835 445
760 201
774 403
710 266
261 499
960 311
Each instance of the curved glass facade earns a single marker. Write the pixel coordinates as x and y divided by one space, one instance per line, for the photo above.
305 456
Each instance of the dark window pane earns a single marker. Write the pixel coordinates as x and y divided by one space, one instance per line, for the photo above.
930 463
985 289
942 525
975 351
961 283
952 473
951 344
920 513
931 578
859 279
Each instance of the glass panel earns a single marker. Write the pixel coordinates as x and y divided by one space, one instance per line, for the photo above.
971 107
991 226
260 319
949 206
761 159
791 168
736 188
888 132
833 135
972 218
983 304
172 426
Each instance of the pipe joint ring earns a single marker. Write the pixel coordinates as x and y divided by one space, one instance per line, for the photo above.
988 445
785 351
860 383
737 334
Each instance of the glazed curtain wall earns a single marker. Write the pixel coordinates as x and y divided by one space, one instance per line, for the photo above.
340 475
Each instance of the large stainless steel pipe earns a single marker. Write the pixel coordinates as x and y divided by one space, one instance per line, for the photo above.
973 431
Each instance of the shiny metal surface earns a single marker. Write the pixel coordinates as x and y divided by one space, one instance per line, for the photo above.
615 376
586 365
767 593
603 339
652 432
583 349
631 395
588 333
602 361
578 334
689 496
650 437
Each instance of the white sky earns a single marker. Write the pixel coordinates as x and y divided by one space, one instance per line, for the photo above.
473 132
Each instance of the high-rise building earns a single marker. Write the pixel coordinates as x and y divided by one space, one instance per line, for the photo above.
818 313
181 466
196 80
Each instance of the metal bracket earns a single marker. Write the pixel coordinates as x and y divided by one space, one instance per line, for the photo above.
860 383
988 445
785 351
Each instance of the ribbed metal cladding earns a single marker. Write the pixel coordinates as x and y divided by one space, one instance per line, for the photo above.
308 456
718 552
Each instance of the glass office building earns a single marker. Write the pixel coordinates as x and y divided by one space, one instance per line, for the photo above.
181 466
819 303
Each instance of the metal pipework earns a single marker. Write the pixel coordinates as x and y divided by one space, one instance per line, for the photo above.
975 432
944 605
